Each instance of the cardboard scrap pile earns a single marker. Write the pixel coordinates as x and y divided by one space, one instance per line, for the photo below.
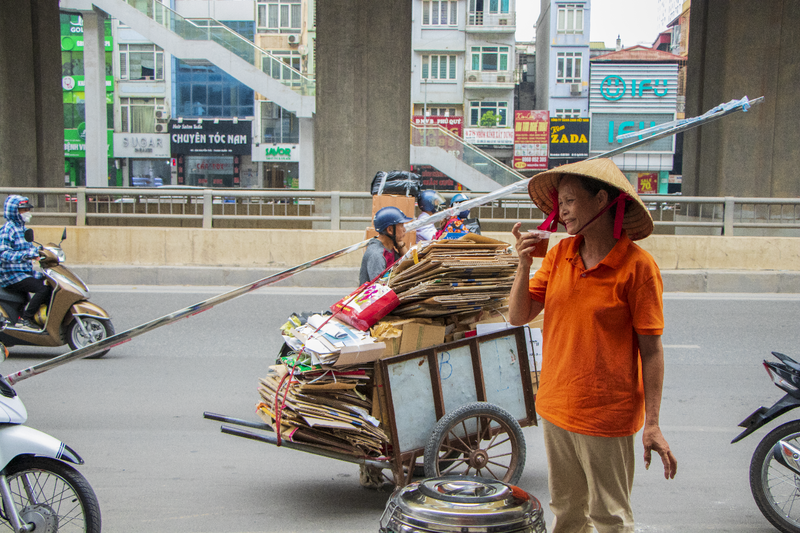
328 400
451 277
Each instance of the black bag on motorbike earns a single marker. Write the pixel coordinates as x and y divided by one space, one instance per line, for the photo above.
398 182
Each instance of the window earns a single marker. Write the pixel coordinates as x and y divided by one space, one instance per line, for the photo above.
569 67
490 58
278 125
280 16
568 113
570 18
478 109
138 115
441 112
283 65
206 90
439 13
141 62
438 67
477 8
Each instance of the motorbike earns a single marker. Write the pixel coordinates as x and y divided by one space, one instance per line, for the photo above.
69 318
775 466
39 488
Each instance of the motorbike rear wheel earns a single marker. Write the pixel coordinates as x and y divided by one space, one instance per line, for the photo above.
776 488
100 329
53 495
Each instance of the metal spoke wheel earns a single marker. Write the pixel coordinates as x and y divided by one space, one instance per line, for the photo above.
477 439
52 496
776 487
93 330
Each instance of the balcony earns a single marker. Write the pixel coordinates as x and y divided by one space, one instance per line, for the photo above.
482 79
480 22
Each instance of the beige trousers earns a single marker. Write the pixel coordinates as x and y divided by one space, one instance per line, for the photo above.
590 480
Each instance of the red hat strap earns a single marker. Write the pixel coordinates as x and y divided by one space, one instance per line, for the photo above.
551 222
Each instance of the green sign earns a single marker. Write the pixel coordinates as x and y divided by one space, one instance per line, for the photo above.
72 33
78 83
75 142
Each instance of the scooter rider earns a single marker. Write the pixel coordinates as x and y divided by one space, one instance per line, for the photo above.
387 247
16 269
429 203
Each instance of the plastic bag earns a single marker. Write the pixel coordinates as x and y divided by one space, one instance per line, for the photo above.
398 182
365 310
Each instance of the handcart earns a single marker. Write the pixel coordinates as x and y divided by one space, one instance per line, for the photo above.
452 409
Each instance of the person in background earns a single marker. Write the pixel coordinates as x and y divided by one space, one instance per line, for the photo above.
459 224
429 203
16 269
385 249
603 362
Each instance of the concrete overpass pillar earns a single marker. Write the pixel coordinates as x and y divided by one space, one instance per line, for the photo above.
363 91
31 98
94 69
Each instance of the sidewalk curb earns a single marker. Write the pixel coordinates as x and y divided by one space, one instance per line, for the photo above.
769 281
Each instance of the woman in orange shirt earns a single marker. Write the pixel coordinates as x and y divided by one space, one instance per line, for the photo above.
603 363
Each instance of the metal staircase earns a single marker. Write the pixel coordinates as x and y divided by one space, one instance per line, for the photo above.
210 40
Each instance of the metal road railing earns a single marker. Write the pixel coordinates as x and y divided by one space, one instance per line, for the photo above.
207 29
248 208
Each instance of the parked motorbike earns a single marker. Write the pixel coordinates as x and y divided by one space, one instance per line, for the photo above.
39 490
68 319
775 466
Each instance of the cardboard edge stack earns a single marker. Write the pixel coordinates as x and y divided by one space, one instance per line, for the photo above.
446 289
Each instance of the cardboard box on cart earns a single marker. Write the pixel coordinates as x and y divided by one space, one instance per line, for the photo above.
408 335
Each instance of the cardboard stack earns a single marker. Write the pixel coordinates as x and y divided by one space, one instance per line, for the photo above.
453 277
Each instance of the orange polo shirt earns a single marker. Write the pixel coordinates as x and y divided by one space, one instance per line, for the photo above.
591 376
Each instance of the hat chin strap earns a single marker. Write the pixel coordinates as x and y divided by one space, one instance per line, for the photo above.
551 223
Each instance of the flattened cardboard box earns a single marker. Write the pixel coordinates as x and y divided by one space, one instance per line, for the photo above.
360 354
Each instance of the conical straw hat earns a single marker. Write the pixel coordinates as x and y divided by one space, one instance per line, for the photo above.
637 222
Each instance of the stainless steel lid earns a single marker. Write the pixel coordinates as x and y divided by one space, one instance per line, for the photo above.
462 504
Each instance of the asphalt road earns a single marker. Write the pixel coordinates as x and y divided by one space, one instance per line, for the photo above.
156 465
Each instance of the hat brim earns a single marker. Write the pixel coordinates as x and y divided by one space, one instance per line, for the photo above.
637 221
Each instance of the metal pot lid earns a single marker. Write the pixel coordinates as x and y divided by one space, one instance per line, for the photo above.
464 501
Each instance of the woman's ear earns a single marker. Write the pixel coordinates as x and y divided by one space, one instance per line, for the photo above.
602 198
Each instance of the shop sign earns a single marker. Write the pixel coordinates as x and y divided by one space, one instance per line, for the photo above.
606 127
569 138
78 83
434 179
649 182
75 142
276 152
72 34
531 132
205 137
454 125
141 145
614 87
489 136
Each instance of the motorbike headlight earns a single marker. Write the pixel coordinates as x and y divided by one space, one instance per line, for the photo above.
59 253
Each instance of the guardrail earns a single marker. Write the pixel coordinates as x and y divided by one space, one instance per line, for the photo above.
207 208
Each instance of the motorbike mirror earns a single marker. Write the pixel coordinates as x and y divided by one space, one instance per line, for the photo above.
28 234
63 236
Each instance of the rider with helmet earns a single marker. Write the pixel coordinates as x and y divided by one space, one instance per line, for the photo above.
460 223
383 250
429 203
16 253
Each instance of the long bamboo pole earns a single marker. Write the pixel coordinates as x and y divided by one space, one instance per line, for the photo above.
522 185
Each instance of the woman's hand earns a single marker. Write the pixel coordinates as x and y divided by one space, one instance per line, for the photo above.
526 242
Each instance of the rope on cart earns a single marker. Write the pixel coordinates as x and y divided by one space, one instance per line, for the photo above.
279 406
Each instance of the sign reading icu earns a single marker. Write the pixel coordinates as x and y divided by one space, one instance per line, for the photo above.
614 87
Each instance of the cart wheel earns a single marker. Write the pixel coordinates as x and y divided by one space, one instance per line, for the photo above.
487 439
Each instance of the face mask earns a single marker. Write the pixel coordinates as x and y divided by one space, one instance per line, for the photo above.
26 217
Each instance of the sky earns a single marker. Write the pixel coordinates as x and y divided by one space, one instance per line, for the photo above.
635 21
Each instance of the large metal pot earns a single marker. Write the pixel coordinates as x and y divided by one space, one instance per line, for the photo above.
462 504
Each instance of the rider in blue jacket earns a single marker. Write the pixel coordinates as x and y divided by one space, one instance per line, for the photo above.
16 269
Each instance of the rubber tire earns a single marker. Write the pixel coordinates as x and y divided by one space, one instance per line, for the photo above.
473 410
762 454
73 331
90 508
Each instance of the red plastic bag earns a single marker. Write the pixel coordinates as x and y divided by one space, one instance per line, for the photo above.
365 310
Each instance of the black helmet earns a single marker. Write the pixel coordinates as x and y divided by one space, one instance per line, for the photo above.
386 217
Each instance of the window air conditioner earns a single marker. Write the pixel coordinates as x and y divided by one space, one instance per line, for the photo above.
575 88
294 39
161 128
162 112
501 79
472 78
503 22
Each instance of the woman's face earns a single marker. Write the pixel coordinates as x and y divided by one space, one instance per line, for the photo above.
576 206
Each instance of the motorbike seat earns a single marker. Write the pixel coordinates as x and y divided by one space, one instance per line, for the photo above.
13 296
